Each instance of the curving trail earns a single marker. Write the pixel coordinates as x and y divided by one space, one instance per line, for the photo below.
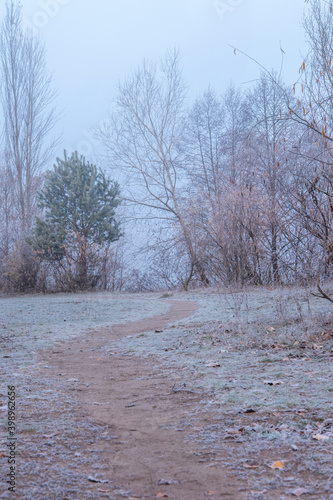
148 441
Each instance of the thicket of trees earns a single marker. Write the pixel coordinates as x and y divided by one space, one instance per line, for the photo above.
67 247
238 187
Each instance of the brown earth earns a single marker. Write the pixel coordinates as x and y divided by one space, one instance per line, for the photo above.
97 419
148 451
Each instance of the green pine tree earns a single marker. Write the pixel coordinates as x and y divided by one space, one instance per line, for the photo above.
79 204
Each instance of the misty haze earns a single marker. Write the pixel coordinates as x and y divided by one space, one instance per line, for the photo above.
166 249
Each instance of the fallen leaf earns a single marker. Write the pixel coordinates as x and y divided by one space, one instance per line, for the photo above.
162 495
273 382
249 410
166 482
301 411
249 466
277 465
238 432
320 437
270 329
213 365
210 492
299 491
95 480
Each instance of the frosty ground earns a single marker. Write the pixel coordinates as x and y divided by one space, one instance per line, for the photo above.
119 398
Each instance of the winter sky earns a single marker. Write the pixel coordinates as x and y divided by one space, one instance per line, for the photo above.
91 45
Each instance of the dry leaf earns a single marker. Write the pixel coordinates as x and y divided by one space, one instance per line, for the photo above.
249 410
213 365
162 495
238 432
299 491
273 382
95 480
277 465
249 466
320 437
210 492
270 329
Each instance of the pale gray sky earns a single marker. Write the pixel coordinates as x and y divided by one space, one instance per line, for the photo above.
93 44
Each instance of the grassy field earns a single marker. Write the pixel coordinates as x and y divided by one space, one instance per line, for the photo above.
266 353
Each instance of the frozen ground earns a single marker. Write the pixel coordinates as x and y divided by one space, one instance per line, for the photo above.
30 323
262 358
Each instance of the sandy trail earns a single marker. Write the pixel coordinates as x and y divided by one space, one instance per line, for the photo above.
148 451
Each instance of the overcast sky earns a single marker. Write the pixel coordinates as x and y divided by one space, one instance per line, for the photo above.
93 45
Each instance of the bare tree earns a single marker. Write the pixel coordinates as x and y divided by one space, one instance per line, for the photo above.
270 139
27 99
7 208
315 112
142 139
316 100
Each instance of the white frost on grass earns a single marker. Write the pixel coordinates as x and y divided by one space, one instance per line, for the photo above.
241 334
30 323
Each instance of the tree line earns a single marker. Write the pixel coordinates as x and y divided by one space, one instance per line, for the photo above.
235 188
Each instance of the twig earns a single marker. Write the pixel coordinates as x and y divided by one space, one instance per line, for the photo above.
181 389
322 295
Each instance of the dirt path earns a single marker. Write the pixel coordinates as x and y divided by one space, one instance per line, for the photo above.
147 450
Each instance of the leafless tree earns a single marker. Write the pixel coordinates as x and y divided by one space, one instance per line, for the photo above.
316 100
142 139
315 113
270 139
27 99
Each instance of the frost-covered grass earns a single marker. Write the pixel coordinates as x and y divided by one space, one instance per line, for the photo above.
274 350
30 323
255 336
258 336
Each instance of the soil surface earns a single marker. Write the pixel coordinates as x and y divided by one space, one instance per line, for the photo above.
164 408
146 411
